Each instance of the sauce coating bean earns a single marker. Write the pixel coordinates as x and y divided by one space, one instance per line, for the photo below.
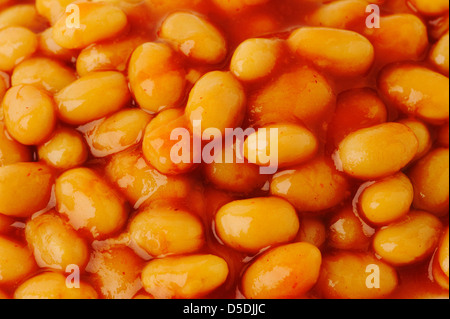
194 37
52 285
97 21
29 114
378 151
410 240
161 277
284 272
55 243
416 90
89 203
253 224
340 52
92 97
25 188
163 230
344 276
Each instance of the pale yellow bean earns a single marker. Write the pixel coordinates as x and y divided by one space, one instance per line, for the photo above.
97 22
285 272
44 73
340 52
16 45
410 240
55 243
30 115
16 261
52 285
417 91
90 203
92 97
163 230
377 151
195 37
253 224
216 101
347 275
387 200
255 58
430 178
157 78
185 277
25 188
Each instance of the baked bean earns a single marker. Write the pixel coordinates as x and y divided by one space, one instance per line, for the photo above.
157 78
431 8
387 200
313 231
29 114
195 37
443 253
52 10
301 94
92 97
236 6
106 56
98 21
89 203
179 277
43 73
55 243
16 45
66 149
296 145
410 34
142 183
410 240
116 271
377 151
285 272
345 14
163 230
439 55
22 15
11 151
430 178
346 231
346 275
422 133
117 132
48 47
253 224
356 109
255 58
52 285
234 176
158 144
416 90
16 261
25 188
217 100
439 276
330 187
340 52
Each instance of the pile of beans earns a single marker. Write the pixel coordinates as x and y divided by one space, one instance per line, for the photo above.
92 204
